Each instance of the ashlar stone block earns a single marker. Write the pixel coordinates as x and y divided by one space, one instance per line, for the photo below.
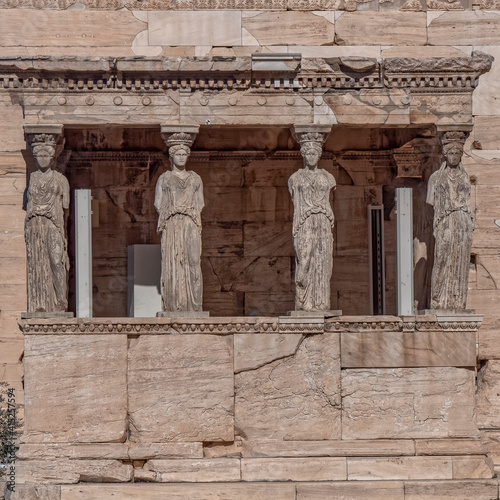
293 398
75 388
181 388
408 403
488 395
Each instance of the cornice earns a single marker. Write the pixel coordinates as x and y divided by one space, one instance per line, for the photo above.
188 74
245 324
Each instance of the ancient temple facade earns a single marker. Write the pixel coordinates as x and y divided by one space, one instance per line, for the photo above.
255 396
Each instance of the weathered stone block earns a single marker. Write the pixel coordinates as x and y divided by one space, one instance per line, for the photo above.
145 491
271 239
195 28
71 28
484 98
408 403
287 28
352 490
220 450
464 28
449 447
328 448
451 490
409 28
269 304
488 396
472 467
72 471
105 451
165 450
399 468
181 388
254 351
293 398
408 349
75 388
293 469
34 492
197 471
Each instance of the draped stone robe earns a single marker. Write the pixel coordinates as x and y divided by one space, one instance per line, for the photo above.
179 201
449 193
46 244
312 237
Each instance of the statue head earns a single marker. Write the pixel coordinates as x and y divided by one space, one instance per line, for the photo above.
44 150
44 155
179 154
311 151
453 147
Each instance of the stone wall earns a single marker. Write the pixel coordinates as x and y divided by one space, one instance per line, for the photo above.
326 29
351 404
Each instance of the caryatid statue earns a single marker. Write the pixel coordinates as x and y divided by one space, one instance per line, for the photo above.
448 192
46 204
179 201
313 222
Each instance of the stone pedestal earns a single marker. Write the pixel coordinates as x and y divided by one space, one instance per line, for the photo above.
315 314
232 402
183 314
46 315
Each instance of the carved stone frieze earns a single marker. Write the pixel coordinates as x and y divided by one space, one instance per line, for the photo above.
228 73
248 324
439 73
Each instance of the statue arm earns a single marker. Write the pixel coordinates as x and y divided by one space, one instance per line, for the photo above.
65 193
158 194
199 200
290 185
430 190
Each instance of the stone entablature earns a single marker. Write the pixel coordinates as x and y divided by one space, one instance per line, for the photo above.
281 90
239 73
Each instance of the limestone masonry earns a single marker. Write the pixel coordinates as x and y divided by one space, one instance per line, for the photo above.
255 149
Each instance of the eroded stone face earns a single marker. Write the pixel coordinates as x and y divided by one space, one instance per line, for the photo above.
181 388
408 402
75 388
293 398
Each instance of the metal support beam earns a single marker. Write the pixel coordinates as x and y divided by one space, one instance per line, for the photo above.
83 253
404 224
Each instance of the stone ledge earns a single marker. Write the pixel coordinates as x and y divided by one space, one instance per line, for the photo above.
235 73
246 324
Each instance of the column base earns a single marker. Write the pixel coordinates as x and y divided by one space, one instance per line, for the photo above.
182 314
315 314
445 312
46 315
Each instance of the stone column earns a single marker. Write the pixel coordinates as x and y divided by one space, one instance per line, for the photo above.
313 222
179 202
46 203
448 191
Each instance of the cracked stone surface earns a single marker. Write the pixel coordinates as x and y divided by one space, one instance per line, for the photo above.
181 388
254 351
75 389
488 395
296 397
408 403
